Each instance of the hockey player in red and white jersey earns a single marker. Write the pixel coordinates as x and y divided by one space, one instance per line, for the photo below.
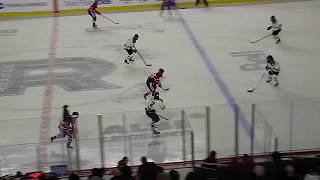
276 28
92 11
154 81
67 128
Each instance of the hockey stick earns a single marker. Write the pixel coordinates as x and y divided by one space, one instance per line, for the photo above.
166 89
260 38
109 19
163 117
141 57
254 87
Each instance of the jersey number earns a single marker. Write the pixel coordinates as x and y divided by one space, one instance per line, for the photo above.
151 104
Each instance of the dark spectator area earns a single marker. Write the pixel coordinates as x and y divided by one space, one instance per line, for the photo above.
277 168
273 167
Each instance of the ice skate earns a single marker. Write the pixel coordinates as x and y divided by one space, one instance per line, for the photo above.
69 145
52 138
156 133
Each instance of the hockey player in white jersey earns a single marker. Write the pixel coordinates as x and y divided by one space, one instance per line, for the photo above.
276 28
129 47
154 104
273 70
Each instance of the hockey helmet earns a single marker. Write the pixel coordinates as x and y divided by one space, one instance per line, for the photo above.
161 70
270 59
273 19
65 106
135 38
75 114
156 95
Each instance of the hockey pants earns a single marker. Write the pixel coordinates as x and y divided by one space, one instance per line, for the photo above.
155 120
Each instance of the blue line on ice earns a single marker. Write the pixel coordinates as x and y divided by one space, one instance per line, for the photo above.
215 74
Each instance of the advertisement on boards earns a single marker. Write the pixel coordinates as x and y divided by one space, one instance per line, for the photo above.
25 6
81 4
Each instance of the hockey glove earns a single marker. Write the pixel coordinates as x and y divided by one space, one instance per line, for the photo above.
276 32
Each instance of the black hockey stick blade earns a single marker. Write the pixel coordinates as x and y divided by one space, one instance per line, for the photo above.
142 57
257 83
145 61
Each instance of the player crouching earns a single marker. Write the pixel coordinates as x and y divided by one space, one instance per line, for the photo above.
67 128
273 70
152 105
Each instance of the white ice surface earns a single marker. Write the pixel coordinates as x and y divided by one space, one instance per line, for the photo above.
164 43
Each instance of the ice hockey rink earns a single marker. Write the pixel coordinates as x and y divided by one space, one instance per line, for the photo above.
208 61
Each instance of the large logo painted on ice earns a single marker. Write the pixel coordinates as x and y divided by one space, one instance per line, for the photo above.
256 59
71 74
